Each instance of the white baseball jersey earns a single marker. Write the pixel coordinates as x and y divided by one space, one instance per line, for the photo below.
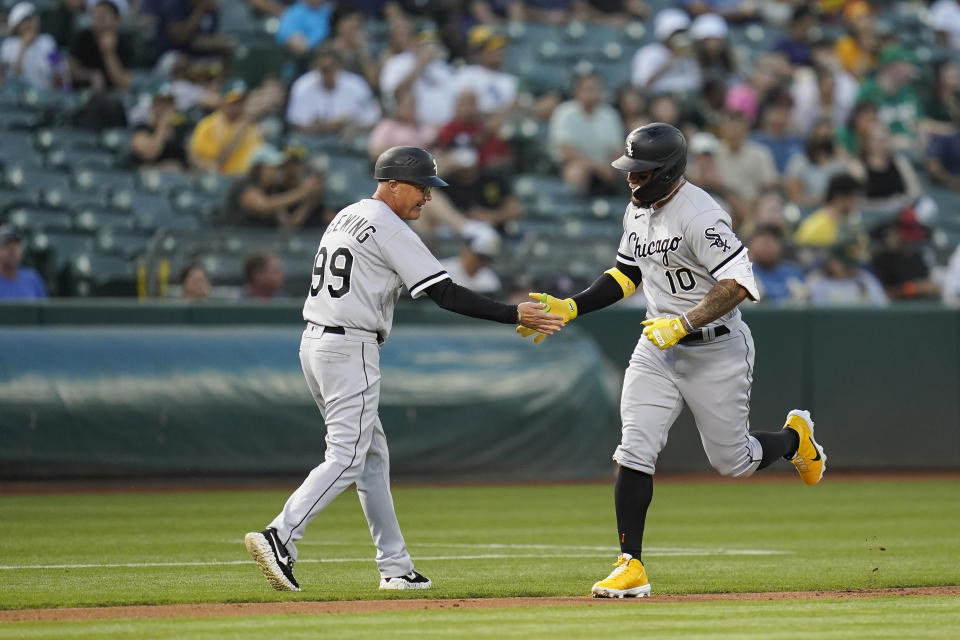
683 249
366 256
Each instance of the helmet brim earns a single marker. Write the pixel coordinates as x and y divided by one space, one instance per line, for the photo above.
631 165
431 181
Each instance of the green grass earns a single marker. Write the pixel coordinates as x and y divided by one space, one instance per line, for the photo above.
876 618
558 541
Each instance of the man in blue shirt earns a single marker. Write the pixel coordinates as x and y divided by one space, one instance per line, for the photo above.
780 281
16 282
304 25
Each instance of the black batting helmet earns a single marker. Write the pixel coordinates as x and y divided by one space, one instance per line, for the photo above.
656 147
410 164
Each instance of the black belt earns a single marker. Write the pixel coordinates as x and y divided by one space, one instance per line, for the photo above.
340 331
704 334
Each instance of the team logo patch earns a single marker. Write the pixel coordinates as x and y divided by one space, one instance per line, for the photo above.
717 240
629 147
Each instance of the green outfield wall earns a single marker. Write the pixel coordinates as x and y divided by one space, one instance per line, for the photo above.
161 389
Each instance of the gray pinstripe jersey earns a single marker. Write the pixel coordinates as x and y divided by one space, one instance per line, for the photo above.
365 257
683 249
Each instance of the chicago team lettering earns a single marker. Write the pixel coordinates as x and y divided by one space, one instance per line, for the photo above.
664 246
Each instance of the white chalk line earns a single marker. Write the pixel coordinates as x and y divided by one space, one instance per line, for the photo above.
580 552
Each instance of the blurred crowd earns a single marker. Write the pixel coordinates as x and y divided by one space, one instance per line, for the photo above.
824 141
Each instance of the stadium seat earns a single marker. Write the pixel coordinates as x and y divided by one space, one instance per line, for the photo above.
70 159
123 242
50 185
93 220
224 269
97 274
141 202
19 119
104 181
256 58
67 138
53 250
214 183
33 218
11 197
165 182
198 204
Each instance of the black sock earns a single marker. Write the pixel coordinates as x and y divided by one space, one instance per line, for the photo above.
632 494
776 444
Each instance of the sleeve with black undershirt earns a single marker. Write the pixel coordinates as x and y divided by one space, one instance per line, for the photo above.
453 297
606 290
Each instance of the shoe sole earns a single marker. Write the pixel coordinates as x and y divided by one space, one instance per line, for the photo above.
261 551
805 416
404 585
636 592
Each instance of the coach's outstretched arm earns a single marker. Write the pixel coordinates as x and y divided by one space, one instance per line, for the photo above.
612 286
453 297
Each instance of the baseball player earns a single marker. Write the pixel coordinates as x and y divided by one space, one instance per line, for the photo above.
695 348
366 255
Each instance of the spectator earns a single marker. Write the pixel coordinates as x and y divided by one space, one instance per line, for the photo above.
401 129
262 276
189 26
943 159
195 85
469 135
951 280
331 100
796 43
840 281
941 108
857 50
99 56
746 167
825 226
225 140
632 106
261 199
28 55
664 108
892 91
667 65
808 172
17 282
471 268
703 171
554 12
304 25
615 13
822 93
585 135
769 73
62 21
350 40
296 170
902 260
780 280
195 282
273 8
422 69
944 19
863 119
714 57
161 143
731 10
496 89
891 183
776 129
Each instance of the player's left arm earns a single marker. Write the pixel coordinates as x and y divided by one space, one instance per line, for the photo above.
719 249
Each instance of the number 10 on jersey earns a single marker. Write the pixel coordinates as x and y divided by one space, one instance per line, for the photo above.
340 266
684 278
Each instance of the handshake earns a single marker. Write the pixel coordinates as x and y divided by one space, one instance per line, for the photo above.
663 332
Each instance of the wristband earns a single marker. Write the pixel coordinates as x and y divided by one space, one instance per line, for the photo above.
686 321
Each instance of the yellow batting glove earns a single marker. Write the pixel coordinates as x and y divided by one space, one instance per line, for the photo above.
527 332
566 309
664 332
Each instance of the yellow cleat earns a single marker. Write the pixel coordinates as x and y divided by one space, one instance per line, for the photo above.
810 460
628 580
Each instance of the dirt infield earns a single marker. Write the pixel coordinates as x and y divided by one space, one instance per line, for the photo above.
373 606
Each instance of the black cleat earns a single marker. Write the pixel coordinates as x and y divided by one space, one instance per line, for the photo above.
273 559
